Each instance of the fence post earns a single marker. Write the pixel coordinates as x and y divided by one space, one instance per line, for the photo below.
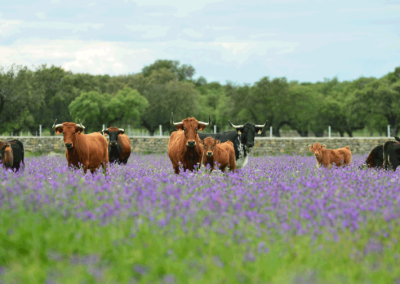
40 130
329 131
215 128
129 130
160 130
270 132
388 131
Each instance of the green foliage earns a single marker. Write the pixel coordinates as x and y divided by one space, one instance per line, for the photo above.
40 247
145 100
95 109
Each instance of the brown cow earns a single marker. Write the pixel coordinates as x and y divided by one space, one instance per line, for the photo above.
221 153
326 158
119 147
15 154
87 150
183 145
7 156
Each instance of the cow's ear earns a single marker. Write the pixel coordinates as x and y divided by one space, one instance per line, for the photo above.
323 146
259 130
217 141
310 147
78 130
105 132
201 141
239 130
201 127
121 132
59 130
179 127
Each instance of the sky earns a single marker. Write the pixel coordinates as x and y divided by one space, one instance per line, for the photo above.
236 41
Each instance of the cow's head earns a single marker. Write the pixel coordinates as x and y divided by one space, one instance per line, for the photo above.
6 154
248 131
316 148
70 130
208 145
113 133
190 126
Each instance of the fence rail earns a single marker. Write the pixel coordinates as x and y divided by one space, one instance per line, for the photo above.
267 133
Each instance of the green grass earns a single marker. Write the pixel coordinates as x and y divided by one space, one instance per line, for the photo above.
35 249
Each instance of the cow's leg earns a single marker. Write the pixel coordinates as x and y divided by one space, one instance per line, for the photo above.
222 168
104 166
393 160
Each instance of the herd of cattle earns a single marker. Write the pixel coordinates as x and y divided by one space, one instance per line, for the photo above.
187 149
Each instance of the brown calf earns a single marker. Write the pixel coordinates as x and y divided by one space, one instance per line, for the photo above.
221 153
326 158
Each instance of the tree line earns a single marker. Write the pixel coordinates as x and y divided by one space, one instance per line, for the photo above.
29 97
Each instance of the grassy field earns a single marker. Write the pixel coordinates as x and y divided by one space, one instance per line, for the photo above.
279 220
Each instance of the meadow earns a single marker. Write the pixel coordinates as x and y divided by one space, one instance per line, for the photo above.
278 220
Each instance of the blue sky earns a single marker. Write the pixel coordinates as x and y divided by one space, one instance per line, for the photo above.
238 41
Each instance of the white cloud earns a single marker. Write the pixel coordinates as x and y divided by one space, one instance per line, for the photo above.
79 56
183 7
9 27
40 15
192 33
98 57
151 31
262 35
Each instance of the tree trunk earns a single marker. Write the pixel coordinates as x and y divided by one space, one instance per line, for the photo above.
349 132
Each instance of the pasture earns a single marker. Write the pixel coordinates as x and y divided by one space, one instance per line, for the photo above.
278 220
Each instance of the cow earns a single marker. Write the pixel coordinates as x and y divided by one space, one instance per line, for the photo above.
391 154
222 154
183 144
87 150
13 151
119 147
326 158
242 139
375 158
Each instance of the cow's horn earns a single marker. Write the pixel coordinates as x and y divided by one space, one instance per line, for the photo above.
54 124
80 124
235 126
121 129
209 121
172 120
260 125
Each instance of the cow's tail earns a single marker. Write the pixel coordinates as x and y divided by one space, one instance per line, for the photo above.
385 154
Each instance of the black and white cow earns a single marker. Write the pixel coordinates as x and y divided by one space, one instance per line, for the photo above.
242 139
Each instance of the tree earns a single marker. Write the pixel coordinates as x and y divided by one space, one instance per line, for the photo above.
183 73
16 95
95 109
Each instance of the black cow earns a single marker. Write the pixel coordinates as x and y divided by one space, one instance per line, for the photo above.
119 147
18 153
375 158
391 154
242 139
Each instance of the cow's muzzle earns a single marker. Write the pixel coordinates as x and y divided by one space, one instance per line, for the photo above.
250 144
68 145
191 143
209 154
